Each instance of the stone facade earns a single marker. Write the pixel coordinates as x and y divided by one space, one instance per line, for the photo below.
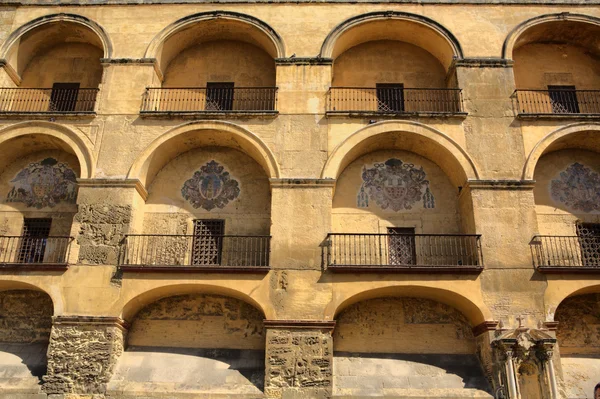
299 199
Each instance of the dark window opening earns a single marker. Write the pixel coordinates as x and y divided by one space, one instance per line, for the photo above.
564 99
64 97
208 241
401 243
589 242
33 244
390 97
219 96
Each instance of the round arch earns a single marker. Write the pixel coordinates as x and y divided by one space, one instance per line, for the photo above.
138 302
579 135
196 134
165 45
411 136
559 290
17 60
517 37
14 285
424 32
476 314
51 135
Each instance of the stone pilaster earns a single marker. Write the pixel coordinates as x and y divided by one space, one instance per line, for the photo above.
299 359
82 354
107 210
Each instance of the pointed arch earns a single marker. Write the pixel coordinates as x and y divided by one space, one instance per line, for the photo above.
411 136
52 135
196 134
424 32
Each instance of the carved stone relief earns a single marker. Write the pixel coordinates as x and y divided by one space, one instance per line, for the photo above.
211 187
578 187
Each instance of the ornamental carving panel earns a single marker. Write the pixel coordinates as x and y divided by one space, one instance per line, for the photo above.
395 185
578 187
44 184
210 187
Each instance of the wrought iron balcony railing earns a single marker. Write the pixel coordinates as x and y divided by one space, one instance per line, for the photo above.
23 250
408 252
394 100
202 99
566 252
557 102
172 252
47 101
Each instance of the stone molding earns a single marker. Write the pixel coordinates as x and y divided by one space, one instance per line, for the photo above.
301 183
115 183
484 327
93 320
482 63
500 184
301 324
419 2
303 61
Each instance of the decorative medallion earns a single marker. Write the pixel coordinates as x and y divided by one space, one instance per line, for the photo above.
210 187
396 185
577 187
44 184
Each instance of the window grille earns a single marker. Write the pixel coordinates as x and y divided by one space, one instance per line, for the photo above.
219 96
390 97
401 243
564 99
33 245
63 97
208 241
589 242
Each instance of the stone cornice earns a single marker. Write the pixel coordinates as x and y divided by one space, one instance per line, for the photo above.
115 183
110 321
482 63
500 184
302 183
485 327
134 61
47 3
304 61
301 324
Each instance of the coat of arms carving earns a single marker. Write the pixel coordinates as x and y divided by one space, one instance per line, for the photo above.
44 184
395 185
578 187
210 187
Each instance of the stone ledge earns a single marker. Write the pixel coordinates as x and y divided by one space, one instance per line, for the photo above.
395 115
482 63
195 269
485 327
128 61
301 183
209 114
406 269
47 115
543 116
115 183
301 324
33 267
91 320
568 270
500 184
47 3
304 61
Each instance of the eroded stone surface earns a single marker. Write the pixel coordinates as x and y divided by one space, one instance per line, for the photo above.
25 317
81 358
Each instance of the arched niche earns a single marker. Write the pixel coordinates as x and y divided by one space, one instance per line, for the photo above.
556 50
69 46
414 29
196 135
566 169
26 316
214 343
578 317
380 344
213 35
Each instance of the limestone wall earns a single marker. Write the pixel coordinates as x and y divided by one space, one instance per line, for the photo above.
25 316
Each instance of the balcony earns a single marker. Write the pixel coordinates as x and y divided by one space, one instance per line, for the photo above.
195 253
391 101
198 101
76 102
40 253
557 103
566 254
408 253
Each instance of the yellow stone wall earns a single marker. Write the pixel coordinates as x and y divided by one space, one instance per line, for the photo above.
300 169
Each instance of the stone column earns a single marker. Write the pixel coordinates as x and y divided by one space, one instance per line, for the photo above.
545 354
107 210
82 354
299 359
